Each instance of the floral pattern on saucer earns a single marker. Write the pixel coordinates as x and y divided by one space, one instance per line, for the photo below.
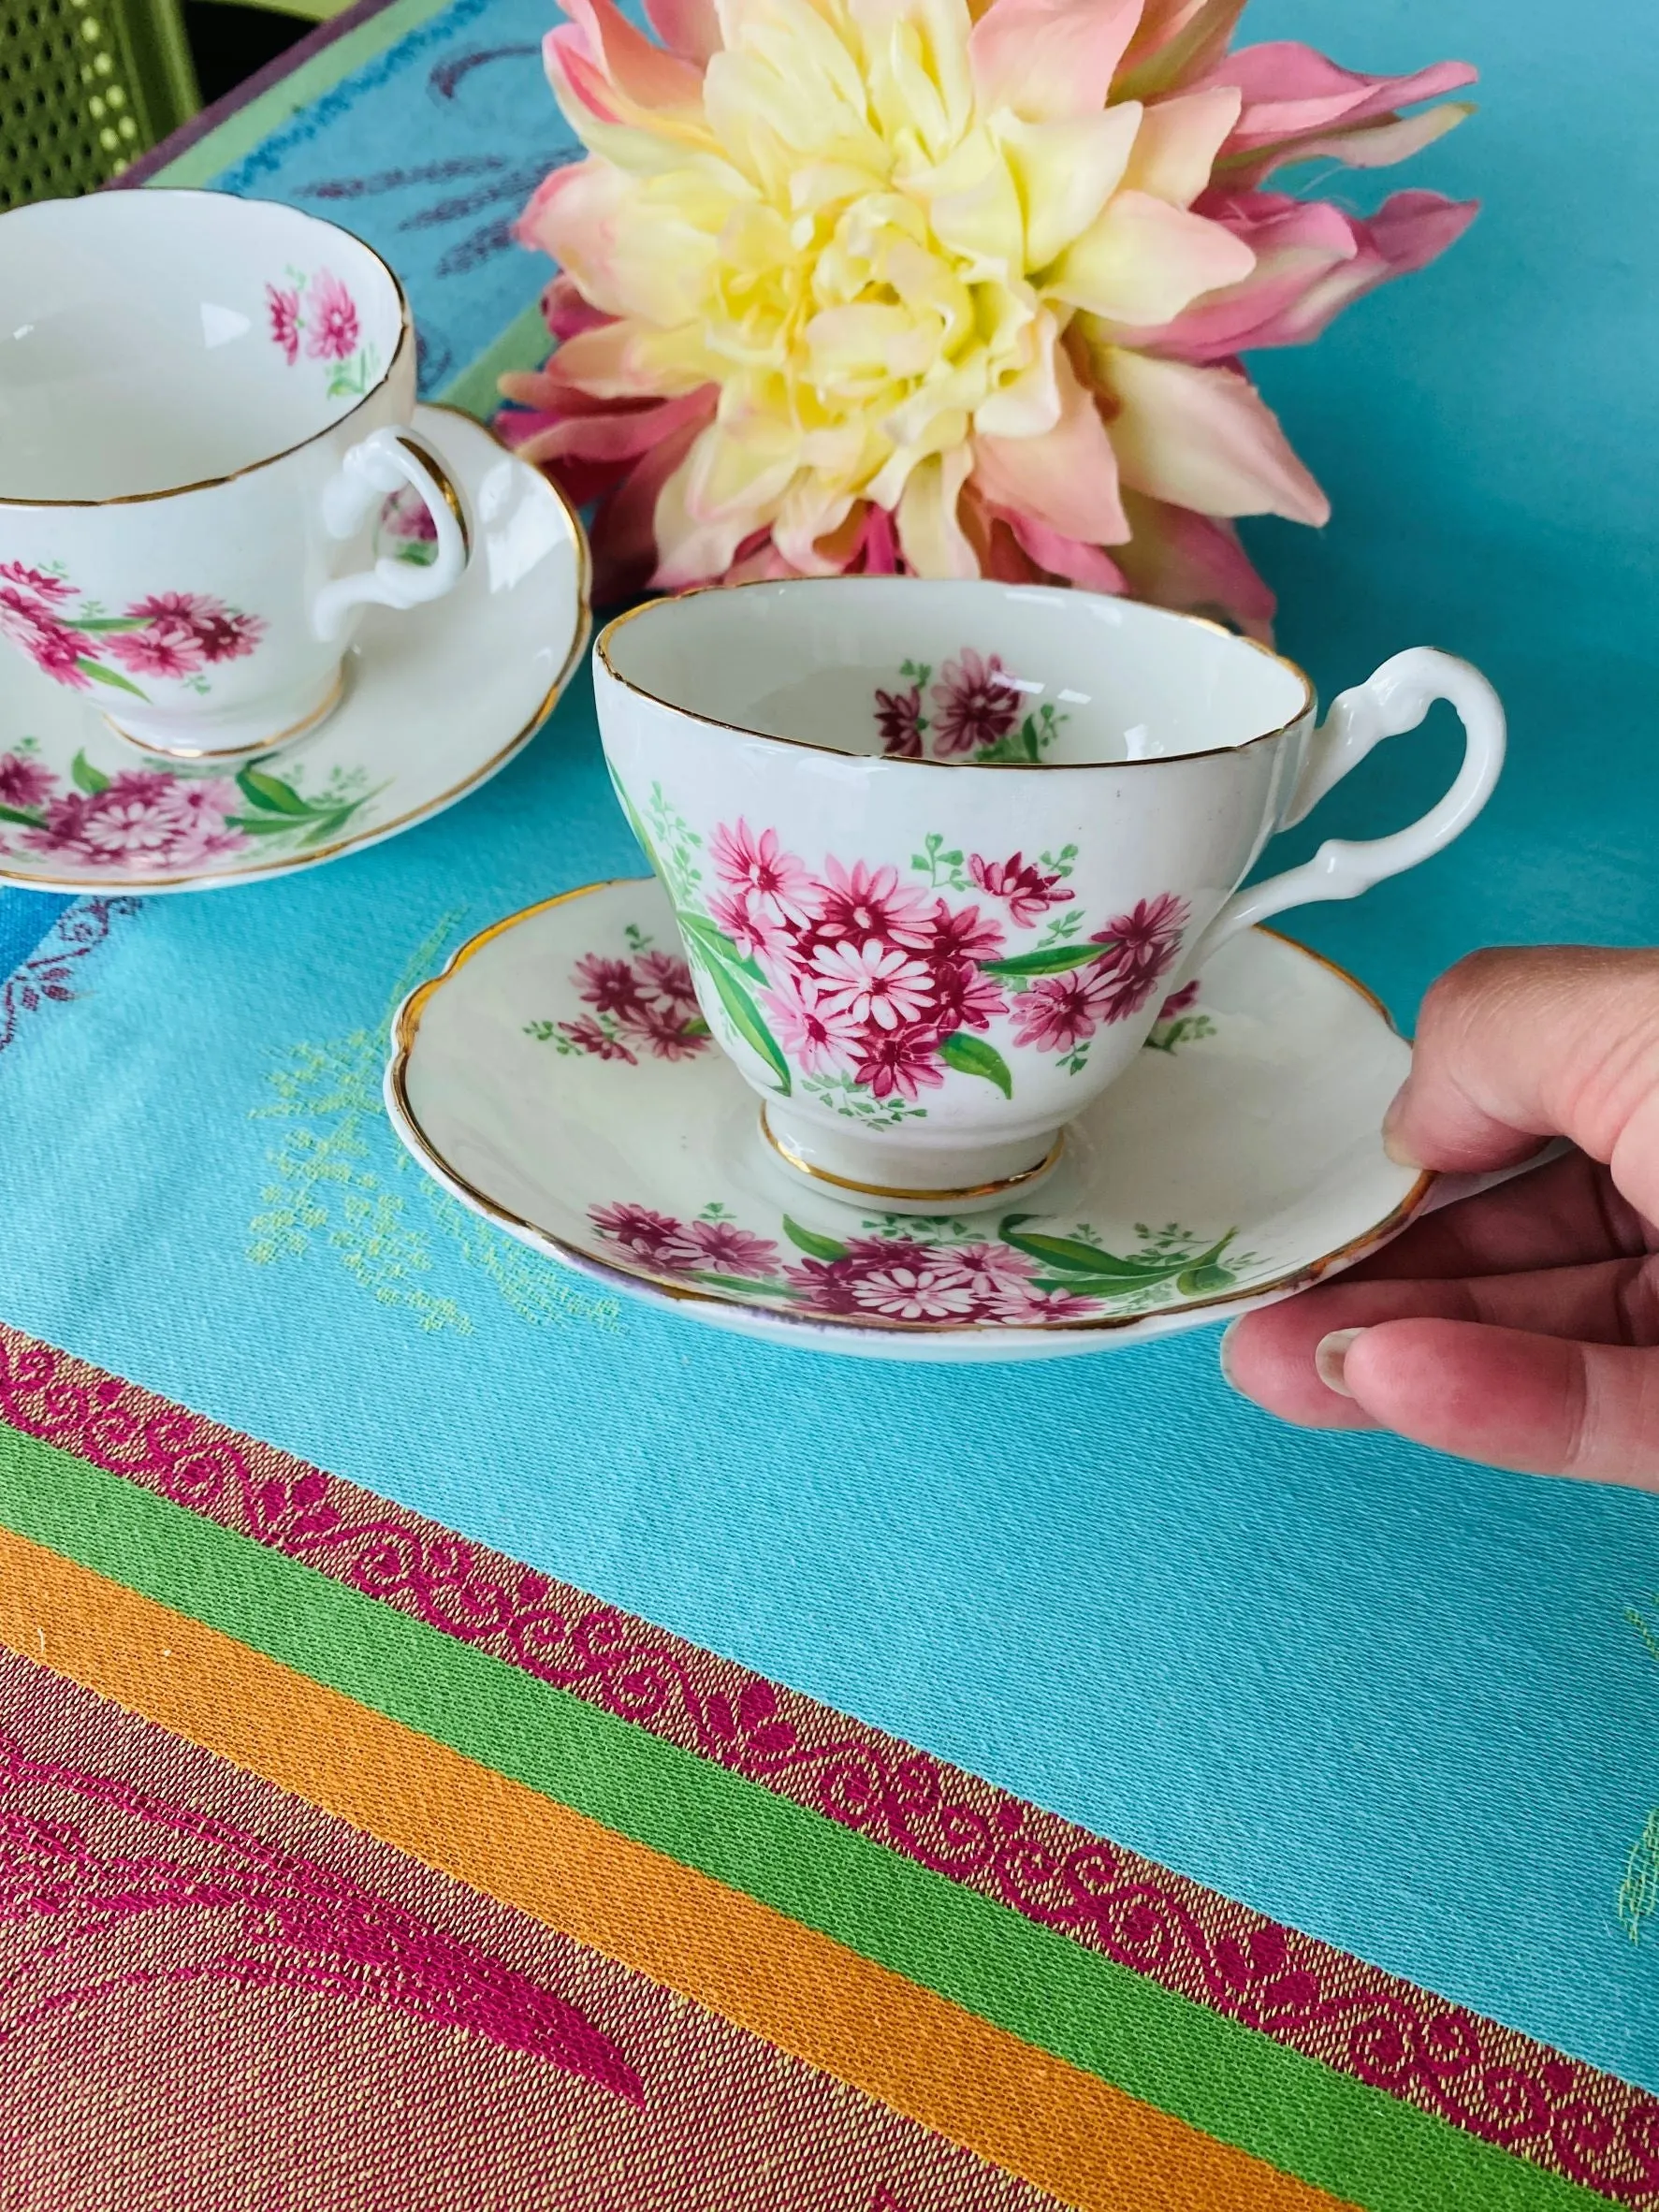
171 635
972 713
864 989
917 1273
315 313
161 815
646 1003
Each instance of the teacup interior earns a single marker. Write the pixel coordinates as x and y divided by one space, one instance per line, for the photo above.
153 340
975 674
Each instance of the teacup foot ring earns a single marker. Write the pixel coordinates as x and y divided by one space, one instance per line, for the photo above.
245 749
901 1200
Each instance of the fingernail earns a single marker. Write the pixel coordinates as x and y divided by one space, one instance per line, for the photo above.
1330 1354
1224 1351
1394 1144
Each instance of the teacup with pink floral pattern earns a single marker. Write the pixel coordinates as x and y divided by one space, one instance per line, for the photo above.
940 853
205 406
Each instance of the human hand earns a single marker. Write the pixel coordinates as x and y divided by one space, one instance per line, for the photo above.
1521 1327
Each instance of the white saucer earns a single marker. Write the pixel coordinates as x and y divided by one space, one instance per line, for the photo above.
590 1115
436 699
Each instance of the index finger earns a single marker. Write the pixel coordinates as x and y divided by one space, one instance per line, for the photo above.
1561 1216
1535 1041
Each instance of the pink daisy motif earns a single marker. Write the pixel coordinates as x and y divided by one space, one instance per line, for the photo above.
907 1292
999 1277
721 1247
966 934
862 903
898 1061
283 307
37 581
143 820
648 1235
1027 890
975 703
608 984
750 923
587 1035
898 718
1058 1013
812 1027
220 633
24 783
55 648
663 1029
333 319
1142 947
964 998
671 979
163 649
772 880
1179 1002
874 984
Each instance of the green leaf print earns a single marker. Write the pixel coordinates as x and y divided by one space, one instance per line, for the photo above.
810 1242
106 675
742 1012
1205 1273
1087 1259
717 945
1047 960
972 1056
270 791
86 778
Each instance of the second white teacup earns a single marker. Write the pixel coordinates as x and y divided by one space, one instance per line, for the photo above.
940 852
204 406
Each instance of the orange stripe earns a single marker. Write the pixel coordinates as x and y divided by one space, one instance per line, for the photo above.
1068 2131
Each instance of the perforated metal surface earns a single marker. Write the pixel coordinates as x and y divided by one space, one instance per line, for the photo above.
85 86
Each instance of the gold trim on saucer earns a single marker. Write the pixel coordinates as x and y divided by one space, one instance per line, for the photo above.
266 460
406 1027
238 752
877 1190
603 655
378 831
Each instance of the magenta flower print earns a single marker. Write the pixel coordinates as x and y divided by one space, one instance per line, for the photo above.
665 1031
873 984
899 1063
1142 947
143 820
171 649
721 1247
975 704
815 1028
1179 1002
964 998
751 924
56 649
1061 1011
862 903
332 318
772 880
24 783
610 984
282 304
37 582
898 718
965 935
221 633
587 1035
671 979
638 1229
1027 890
912 1293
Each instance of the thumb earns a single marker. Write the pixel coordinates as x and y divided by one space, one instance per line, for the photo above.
1538 1405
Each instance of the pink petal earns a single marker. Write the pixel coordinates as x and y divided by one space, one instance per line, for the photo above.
1298 105
1144 260
616 435
1193 563
1176 42
1066 478
573 217
690 28
1203 438
624 528
1067 556
1050 58
638 69
564 309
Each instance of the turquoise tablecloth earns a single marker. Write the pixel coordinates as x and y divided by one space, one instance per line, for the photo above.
1403 1703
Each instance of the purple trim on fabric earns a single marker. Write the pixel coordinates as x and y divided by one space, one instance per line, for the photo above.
192 133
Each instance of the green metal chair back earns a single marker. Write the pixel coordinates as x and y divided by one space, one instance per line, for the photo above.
86 87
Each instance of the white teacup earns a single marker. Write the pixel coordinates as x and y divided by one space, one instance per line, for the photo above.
204 405
940 852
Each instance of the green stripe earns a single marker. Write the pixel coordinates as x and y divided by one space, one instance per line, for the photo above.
523 344
238 133
1225 2079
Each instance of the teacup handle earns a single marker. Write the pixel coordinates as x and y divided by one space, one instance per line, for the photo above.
1385 704
383 462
